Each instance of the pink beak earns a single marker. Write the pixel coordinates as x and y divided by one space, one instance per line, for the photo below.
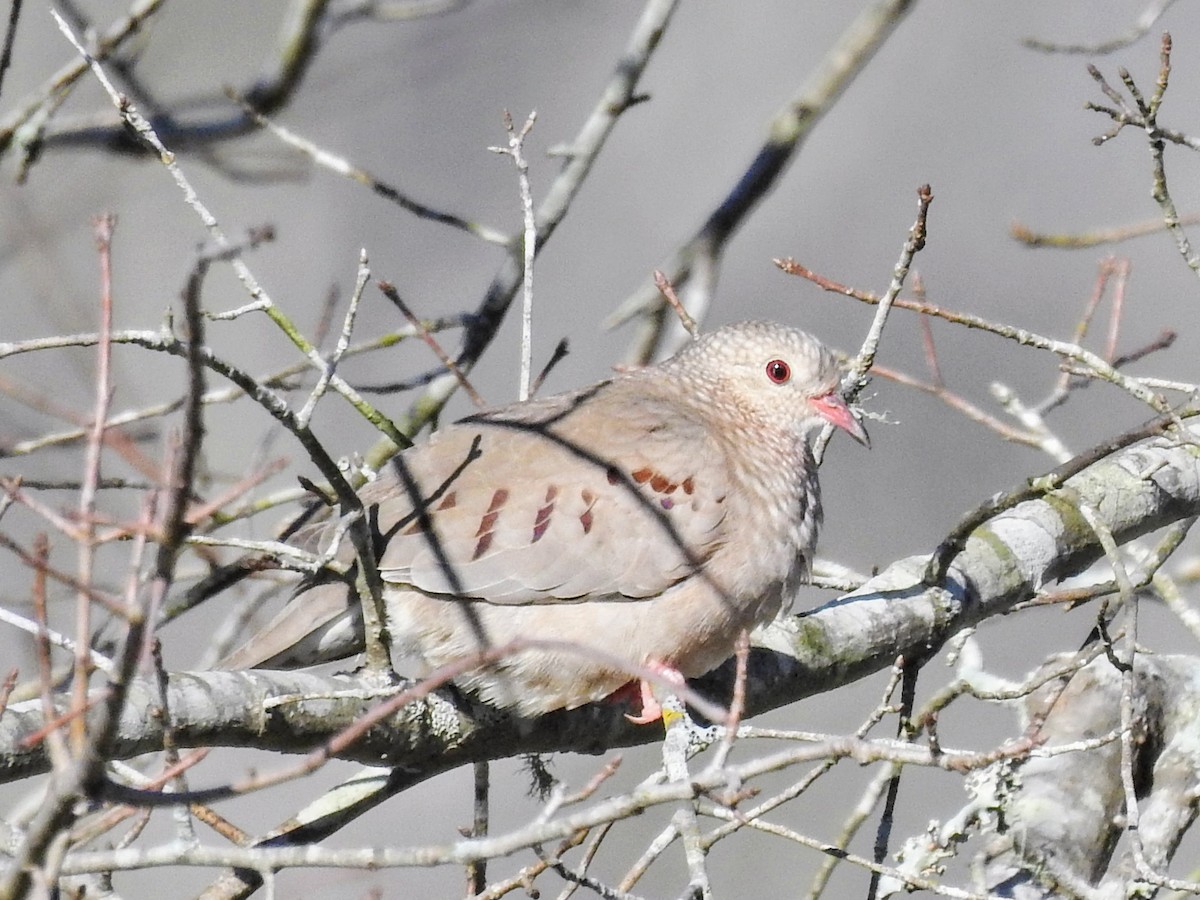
832 407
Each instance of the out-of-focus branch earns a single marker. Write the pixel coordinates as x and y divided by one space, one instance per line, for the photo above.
693 267
10 37
1065 809
299 40
1136 32
1095 238
28 119
342 166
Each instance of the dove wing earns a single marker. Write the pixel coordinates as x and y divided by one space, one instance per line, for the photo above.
537 503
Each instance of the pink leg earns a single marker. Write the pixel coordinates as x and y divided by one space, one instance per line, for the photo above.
650 708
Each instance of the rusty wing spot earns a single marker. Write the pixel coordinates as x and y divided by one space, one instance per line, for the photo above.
688 485
448 502
585 517
542 521
481 545
662 484
488 522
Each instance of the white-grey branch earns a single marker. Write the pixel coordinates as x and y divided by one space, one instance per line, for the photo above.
1005 561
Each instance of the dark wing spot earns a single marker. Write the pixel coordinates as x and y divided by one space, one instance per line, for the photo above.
482 545
542 520
493 511
487 523
585 518
448 502
614 477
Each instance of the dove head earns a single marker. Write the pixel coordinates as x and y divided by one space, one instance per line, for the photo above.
771 372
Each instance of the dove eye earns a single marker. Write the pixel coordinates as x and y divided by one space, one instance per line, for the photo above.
778 371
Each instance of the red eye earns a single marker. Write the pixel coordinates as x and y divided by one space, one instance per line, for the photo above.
778 371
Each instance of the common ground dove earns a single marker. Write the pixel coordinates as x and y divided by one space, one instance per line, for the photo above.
653 516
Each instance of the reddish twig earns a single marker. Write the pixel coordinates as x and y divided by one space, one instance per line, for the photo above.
959 403
56 747
389 291
103 228
202 511
931 357
668 291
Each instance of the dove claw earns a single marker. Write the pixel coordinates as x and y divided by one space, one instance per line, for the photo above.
649 709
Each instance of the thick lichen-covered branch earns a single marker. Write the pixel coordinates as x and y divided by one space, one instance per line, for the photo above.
1004 562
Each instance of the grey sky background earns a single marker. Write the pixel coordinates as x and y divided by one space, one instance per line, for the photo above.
952 99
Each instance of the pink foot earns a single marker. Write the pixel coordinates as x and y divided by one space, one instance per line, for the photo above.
641 693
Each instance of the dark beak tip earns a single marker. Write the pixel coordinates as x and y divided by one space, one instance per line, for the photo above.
859 433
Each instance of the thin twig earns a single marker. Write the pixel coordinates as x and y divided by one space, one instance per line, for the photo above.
1137 31
529 238
1143 114
103 227
1096 238
737 703
161 341
33 110
904 730
619 94
663 283
342 166
343 343
561 349
1096 366
855 379
389 290
477 868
